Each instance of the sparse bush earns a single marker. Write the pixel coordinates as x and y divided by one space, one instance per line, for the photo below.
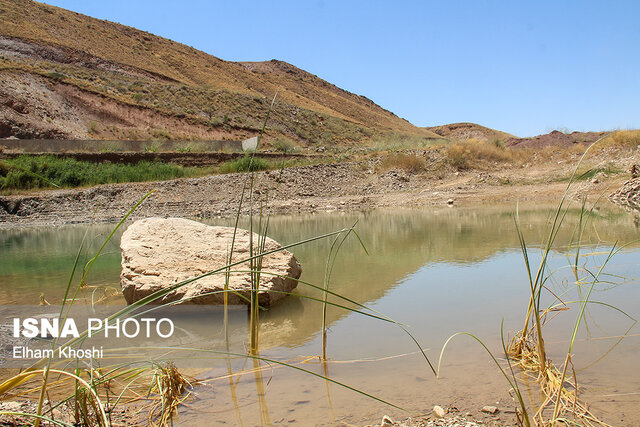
284 145
459 156
407 162
153 148
160 134
132 134
56 76
186 148
498 143
137 97
472 153
93 128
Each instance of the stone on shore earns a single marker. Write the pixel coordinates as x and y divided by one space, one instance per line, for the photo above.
489 409
439 411
158 253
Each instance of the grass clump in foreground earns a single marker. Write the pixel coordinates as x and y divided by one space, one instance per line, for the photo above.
33 172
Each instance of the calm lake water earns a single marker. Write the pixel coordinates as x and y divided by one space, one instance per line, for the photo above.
439 271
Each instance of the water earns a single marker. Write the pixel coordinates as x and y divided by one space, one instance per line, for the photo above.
440 271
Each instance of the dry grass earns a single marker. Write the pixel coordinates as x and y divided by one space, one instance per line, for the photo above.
476 154
527 349
524 352
172 388
396 141
622 138
408 162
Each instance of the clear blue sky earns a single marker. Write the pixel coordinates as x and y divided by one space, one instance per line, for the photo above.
522 67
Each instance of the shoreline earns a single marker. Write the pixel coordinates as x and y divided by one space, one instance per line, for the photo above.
341 187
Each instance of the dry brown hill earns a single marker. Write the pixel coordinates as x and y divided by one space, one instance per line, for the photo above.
466 131
556 139
67 75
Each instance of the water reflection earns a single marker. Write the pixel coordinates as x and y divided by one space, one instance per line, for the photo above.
439 270
401 244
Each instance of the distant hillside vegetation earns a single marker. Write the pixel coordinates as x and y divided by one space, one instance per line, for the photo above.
466 131
66 75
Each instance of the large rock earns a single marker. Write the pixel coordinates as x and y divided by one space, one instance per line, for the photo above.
158 252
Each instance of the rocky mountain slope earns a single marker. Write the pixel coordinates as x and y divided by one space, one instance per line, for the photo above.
66 75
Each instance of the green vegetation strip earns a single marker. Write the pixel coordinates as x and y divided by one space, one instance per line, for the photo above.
34 172
30 172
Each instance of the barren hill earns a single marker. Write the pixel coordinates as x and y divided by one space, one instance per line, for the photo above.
66 75
465 131
556 139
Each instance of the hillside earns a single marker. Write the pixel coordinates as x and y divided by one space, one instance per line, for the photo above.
466 131
66 75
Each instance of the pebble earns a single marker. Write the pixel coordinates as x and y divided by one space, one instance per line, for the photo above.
10 406
439 412
489 409
386 421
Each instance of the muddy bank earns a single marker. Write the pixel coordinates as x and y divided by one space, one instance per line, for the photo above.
343 186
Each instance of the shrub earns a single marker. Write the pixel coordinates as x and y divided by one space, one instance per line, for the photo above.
153 148
56 76
93 128
185 148
160 134
459 156
284 145
463 155
407 162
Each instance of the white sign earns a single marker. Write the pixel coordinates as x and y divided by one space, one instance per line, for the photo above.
250 144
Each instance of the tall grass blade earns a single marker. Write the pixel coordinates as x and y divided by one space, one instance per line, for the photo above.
576 327
331 258
511 382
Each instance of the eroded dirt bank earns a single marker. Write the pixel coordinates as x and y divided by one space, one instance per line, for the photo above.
357 185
